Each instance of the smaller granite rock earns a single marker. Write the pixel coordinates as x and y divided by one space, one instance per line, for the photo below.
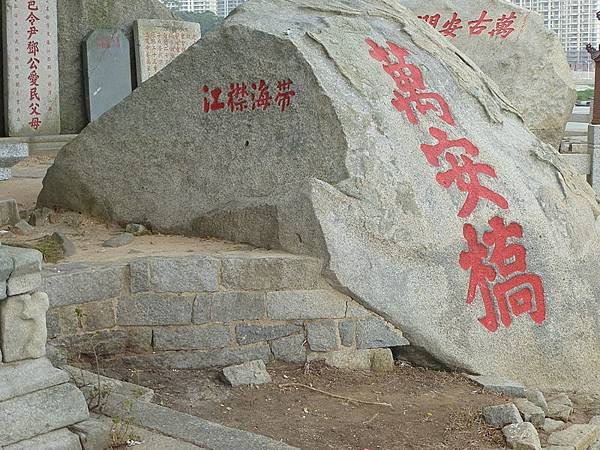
9 212
530 412
551 425
23 326
40 217
32 375
345 359
382 360
580 437
373 332
25 269
500 385
252 372
93 434
22 228
499 416
121 240
347 330
355 310
136 229
250 334
536 397
290 349
322 335
61 439
522 436
66 244
560 407
595 421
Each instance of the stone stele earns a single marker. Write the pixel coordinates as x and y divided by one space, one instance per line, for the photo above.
339 129
158 42
514 48
30 65
107 70
76 20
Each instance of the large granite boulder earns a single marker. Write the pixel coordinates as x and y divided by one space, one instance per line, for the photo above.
514 48
78 18
352 131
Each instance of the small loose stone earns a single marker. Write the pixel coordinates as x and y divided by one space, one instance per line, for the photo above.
22 228
136 229
253 372
498 416
119 241
522 436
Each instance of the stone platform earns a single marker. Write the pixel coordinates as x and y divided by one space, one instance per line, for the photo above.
210 310
40 145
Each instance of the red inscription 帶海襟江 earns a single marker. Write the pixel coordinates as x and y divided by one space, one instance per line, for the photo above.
241 97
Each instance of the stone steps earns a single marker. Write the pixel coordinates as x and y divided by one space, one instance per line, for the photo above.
29 376
41 412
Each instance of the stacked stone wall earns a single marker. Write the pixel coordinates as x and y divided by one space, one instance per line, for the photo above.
202 311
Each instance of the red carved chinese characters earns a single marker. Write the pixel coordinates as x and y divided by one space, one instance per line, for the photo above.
463 172
478 26
498 263
451 26
515 292
504 26
432 20
241 97
261 98
501 27
411 94
284 94
213 103
33 49
237 97
482 275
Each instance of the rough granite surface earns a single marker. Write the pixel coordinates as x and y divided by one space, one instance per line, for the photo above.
341 174
528 64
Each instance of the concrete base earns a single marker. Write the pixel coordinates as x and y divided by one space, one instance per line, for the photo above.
11 154
41 145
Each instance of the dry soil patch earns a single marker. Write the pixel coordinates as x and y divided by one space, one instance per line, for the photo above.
430 410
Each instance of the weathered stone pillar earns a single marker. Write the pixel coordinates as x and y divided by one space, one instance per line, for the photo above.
596 103
594 149
37 402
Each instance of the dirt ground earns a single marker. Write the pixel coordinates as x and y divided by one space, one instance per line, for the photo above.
88 234
26 183
430 410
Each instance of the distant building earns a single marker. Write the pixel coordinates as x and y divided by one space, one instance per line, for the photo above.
221 8
224 7
575 23
192 5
